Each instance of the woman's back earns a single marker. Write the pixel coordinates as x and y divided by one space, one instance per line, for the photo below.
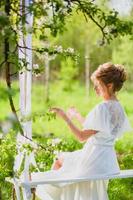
109 119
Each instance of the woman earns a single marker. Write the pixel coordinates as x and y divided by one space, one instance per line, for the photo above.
106 122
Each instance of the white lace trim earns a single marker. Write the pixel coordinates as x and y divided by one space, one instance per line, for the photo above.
118 119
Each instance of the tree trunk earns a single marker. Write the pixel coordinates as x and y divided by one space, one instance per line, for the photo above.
7 66
87 71
47 79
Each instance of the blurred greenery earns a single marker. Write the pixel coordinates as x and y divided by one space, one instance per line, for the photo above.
44 129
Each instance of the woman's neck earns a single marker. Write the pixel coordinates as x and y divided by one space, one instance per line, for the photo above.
112 97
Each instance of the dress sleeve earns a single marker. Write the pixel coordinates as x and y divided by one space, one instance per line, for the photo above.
98 119
126 127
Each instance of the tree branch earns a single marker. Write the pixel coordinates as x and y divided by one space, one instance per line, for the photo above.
13 74
7 65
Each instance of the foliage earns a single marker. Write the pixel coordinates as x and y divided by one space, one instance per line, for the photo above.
8 150
124 189
53 148
7 154
118 189
50 17
122 53
55 136
68 73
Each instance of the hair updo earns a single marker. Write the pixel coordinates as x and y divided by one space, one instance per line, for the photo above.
111 73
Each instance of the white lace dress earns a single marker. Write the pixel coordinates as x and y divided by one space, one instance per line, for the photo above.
97 157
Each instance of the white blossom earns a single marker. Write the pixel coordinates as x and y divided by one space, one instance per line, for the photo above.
47 6
64 11
65 4
70 50
52 57
37 75
35 66
56 152
6 126
59 49
42 165
56 141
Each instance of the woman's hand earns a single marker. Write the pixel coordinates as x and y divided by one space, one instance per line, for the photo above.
59 112
72 112
57 164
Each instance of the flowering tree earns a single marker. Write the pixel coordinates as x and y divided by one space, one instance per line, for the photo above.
49 17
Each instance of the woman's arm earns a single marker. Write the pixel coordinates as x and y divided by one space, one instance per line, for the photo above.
80 118
73 113
81 135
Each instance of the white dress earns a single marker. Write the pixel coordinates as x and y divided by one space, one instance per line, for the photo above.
97 157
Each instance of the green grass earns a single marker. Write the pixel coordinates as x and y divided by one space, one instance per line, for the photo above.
118 189
63 99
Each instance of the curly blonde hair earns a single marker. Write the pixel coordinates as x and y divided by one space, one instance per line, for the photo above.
111 73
